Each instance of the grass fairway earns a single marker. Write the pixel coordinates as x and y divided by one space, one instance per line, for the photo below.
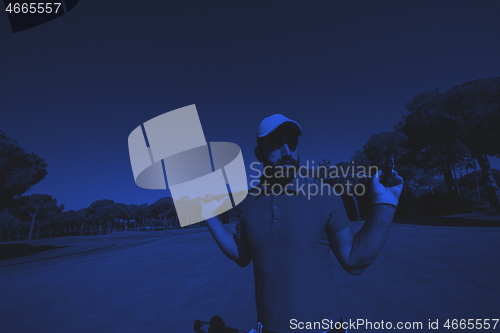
162 281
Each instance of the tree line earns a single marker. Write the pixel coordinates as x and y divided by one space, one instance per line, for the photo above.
39 216
35 216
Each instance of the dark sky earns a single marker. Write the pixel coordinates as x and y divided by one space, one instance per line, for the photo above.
73 89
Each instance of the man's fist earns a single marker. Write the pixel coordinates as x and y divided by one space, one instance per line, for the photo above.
387 194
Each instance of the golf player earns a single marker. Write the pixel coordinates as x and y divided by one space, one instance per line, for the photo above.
289 235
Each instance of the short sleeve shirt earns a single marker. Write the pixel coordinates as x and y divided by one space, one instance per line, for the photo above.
289 237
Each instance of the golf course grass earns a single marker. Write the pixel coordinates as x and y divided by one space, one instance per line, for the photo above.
161 281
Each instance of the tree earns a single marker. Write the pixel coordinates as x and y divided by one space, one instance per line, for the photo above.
86 218
71 218
323 168
132 212
113 212
123 213
385 143
19 170
8 221
144 213
164 209
99 213
475 106
463 122
38 206
432 138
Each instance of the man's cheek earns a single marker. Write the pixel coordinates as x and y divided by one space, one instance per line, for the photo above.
296 157
273 158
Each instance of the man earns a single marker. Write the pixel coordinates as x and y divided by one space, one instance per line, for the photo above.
289 236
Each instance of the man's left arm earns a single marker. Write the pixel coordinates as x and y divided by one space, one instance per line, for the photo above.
356 252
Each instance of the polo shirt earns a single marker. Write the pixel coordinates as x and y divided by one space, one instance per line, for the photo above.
289 236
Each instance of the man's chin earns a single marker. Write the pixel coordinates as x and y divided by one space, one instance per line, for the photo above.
286 165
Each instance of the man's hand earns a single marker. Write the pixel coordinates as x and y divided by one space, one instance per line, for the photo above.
197 326
387 194
211 208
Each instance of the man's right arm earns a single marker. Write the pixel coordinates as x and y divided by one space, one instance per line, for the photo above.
235 247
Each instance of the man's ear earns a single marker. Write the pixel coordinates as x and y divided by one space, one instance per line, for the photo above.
258 153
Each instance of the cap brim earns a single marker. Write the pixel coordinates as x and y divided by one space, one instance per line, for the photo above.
289 123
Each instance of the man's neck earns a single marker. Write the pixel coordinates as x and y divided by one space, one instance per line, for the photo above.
273 181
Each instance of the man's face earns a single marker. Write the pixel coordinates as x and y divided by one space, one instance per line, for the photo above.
280 149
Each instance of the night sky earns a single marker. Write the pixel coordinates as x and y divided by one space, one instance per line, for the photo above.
73 89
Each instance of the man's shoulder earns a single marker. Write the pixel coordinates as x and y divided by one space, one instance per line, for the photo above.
252 194
324 191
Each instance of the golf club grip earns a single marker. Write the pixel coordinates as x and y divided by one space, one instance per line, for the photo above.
387 169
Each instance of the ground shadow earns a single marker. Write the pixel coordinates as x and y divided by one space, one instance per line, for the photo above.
10 251
216 325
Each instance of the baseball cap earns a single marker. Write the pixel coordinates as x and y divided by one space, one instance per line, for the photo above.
269 124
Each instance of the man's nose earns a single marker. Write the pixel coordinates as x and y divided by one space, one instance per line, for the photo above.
285 150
